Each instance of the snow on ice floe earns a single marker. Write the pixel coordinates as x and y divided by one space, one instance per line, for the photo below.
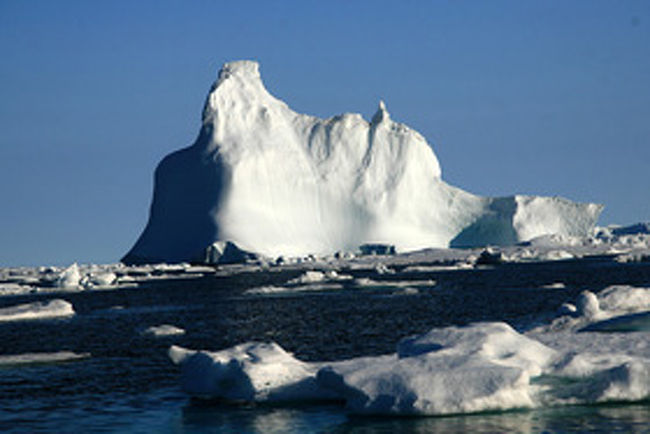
249 372
616 308
40 358
474 368
275 182
163 330
479 367
56 308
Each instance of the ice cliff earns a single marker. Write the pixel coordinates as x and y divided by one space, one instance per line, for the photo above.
278 182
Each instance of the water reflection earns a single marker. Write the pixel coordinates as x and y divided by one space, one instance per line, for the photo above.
211 417
202 417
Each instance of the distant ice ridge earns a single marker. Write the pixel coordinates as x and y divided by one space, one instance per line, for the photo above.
276 182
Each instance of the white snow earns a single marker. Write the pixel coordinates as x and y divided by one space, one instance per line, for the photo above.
480 367
249 372
277 182
617 307
55 308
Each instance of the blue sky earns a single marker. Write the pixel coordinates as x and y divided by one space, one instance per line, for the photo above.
536 97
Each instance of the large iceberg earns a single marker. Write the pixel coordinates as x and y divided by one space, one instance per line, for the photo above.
277 182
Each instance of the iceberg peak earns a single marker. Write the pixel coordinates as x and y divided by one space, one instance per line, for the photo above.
237 95
244 69
381 114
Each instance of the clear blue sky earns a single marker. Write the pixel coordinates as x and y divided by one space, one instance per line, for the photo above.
537 97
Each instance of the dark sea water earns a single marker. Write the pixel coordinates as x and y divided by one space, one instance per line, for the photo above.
128 384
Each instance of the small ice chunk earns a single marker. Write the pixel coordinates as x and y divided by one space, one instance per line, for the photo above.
37 310
407 291
383 269
102 279
490 256
624 298
555 285
310 276
163 330
274 290
567 309
69 278
587 305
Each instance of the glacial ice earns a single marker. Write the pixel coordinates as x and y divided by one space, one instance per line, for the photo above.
276 182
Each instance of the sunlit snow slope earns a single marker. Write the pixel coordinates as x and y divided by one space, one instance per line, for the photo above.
279 182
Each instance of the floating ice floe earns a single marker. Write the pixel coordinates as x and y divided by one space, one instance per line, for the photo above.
15 289
56 308
279 290
163 330
480 367
365 282
251 372
39 358
315 276
616 308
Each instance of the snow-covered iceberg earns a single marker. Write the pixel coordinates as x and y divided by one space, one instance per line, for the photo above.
277 182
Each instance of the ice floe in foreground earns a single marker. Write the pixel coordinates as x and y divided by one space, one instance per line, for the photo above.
37 310
474 368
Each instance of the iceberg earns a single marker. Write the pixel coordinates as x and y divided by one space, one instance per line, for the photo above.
276 182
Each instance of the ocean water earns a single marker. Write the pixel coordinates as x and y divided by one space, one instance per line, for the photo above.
128 384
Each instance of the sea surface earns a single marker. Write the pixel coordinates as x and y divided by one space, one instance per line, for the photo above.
128 384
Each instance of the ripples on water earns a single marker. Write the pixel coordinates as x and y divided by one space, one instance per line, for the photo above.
129 384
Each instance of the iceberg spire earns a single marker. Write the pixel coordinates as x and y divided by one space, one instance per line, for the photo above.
381 114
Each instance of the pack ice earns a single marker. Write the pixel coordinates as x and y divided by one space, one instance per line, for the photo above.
277 182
